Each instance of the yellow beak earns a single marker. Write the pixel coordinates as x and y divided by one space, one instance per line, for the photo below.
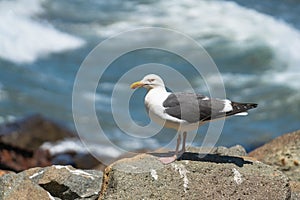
137 84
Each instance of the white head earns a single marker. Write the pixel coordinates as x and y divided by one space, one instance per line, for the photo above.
150 81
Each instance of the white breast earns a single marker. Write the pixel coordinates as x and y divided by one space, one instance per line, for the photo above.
154 102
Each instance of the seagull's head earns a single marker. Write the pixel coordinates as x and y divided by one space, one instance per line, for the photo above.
150 81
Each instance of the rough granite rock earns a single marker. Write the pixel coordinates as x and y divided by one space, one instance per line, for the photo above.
295 187
283 152
16 186
55 182
236 150
195 176
2 172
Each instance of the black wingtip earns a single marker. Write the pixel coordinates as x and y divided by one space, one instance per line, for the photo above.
242 107
252 105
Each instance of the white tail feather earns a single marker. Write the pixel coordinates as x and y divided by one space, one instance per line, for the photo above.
242 114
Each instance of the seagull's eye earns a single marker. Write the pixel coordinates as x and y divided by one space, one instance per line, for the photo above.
151 80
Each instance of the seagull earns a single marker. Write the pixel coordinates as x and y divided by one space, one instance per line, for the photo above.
184 111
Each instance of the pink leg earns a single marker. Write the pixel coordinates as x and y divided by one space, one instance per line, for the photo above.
167 160
183 143
178 143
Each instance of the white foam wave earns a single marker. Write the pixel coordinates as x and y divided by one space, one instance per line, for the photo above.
25 39
77 146
105 150
99 98
106 86
135 145
238 80
7 119
209 21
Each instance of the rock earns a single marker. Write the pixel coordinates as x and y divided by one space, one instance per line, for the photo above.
283 153
86 161
236 150
66 182
17 186
2 172
109 160
31 132
38 142
295 187
55 182
17 159
195 176
71 151
20 142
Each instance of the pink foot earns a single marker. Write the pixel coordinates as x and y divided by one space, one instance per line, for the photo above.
167 160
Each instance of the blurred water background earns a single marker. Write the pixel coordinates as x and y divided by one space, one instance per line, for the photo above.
254 43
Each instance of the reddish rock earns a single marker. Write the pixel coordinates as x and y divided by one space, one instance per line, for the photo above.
283 152
295 187
17 159
31 132
20 142
2 172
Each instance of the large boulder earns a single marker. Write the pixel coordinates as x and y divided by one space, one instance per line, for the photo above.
295 187
36 141
55 182
17 159
2 172
284 154
14 186
31 132
195 176
236 150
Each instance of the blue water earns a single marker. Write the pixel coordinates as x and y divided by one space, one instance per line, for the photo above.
255 45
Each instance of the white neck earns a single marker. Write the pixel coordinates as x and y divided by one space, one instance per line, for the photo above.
156 95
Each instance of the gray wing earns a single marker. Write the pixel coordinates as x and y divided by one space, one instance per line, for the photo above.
191 107
197 107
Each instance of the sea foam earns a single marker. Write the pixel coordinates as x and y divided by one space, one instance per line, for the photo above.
209 21
78 146
24 39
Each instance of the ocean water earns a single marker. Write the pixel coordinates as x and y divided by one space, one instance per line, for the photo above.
255 45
